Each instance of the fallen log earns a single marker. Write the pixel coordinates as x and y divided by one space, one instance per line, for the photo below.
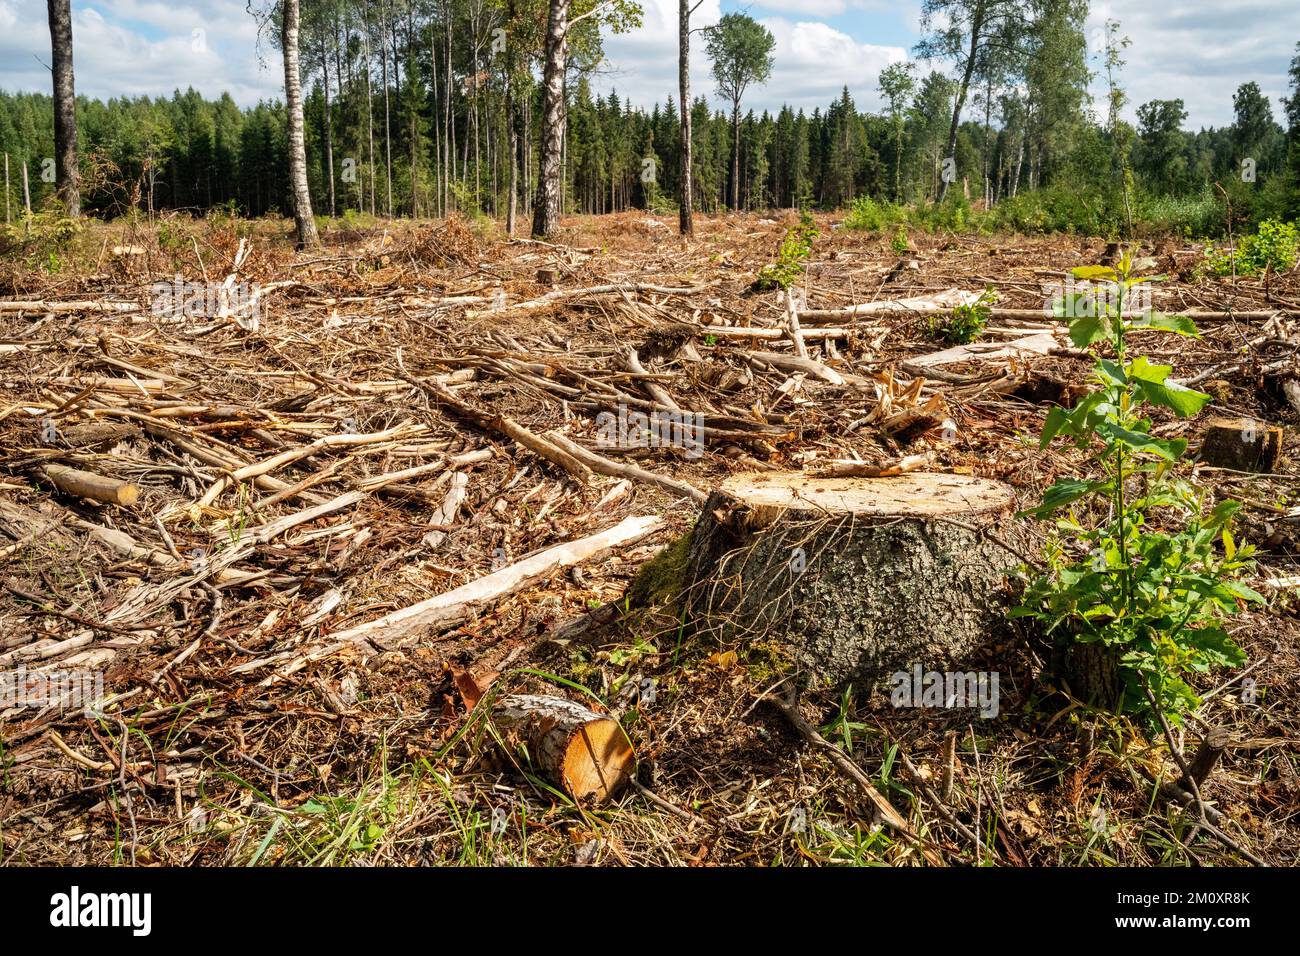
1040 343
87 484
83 305
944 301
584 753
795 363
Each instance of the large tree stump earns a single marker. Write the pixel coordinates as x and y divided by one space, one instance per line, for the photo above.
856 577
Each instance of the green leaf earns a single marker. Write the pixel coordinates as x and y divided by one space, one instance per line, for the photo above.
1179 324
1142 442
1245 593
1089 329
1222 513
1215 643
1111 373
1093 272
1057 419
1061 494
1150 382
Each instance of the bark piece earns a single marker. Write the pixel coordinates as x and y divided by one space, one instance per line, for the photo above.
584 753
1242 445
854 577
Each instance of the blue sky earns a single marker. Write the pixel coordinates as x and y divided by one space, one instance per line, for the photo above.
1199 50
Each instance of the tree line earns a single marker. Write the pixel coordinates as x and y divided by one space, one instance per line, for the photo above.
425 107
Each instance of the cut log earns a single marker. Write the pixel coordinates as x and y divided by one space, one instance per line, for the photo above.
1242 444
97 434
87 484
854 578
584 753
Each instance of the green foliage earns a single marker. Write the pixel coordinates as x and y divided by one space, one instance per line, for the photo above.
1157 599
1199 214
790 258
872 216
900 242
38 239
1272 249
967 322
741 50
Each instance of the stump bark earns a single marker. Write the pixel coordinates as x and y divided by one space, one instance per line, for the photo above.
856 578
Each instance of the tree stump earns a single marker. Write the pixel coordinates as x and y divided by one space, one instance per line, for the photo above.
856 577
1242 445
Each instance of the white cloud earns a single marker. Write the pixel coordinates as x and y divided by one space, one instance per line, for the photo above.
114 58
812 61
1200 51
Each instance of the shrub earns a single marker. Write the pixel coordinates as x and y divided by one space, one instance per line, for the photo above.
789 265
1156 600
1272 249
39 239
1199 215
872 216
967 322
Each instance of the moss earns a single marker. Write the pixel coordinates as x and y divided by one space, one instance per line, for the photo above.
767 661
662 579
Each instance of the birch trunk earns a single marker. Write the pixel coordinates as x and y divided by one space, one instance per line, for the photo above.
550 185
306 223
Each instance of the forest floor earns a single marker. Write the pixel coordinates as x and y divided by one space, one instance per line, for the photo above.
277 509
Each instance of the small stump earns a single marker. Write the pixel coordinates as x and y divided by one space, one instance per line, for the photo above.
857 577
1242 445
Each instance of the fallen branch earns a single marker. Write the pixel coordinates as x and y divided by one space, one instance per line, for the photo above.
605 466
502 425
445 610
890 817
